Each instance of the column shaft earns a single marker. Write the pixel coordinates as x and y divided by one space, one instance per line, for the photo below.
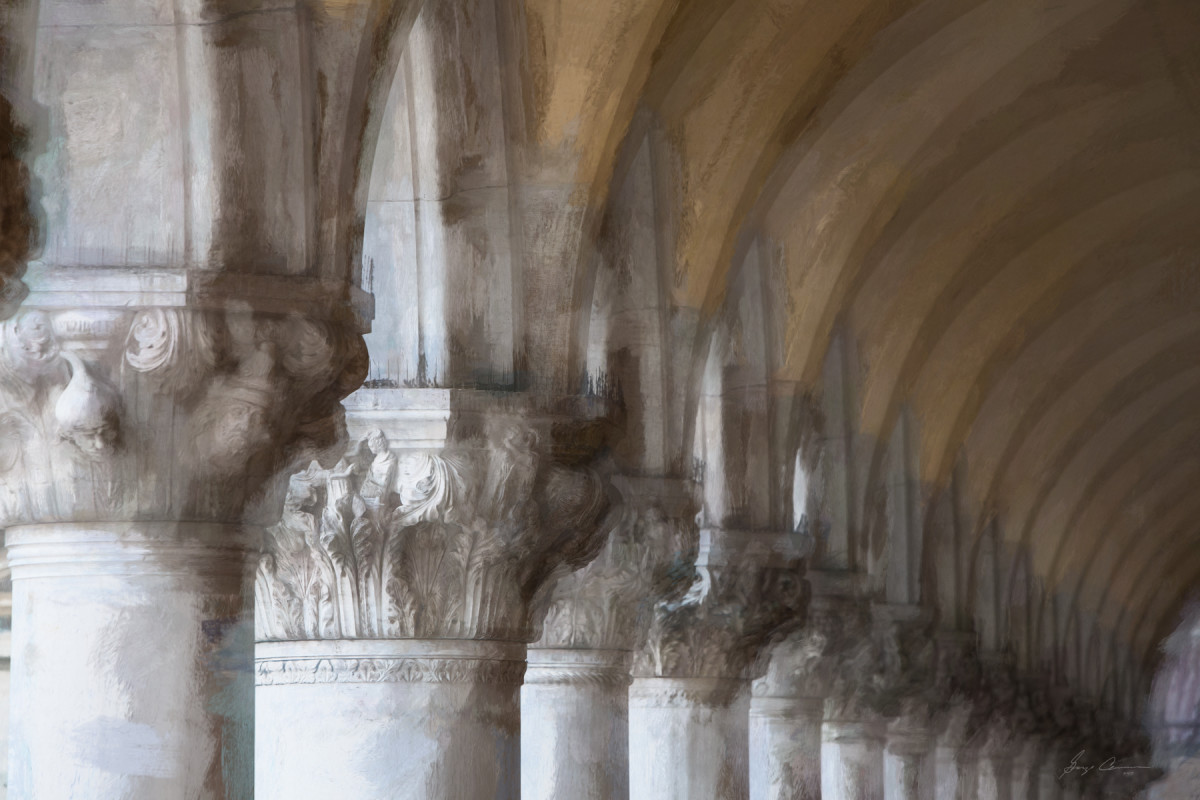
908 768
688 738
785 748
403 719
851 761
956 773
575 725
131 665
995 778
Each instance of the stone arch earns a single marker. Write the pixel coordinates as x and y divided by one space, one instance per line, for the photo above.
439 249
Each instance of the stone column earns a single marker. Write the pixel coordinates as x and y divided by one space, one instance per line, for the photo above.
787 709
134 439
1049 784
574 704
396 596
5 672
575 724
190 327
996 761
688 706
785 747
958 682
853 735
1025 768
852 759
907 692
909 764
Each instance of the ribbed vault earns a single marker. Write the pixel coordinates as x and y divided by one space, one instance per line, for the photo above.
995 201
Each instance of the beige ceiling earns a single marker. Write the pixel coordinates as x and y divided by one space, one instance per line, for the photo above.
997 198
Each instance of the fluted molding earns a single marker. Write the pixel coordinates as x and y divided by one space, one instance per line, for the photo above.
607 669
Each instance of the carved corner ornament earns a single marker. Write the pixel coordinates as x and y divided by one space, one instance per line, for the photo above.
159 412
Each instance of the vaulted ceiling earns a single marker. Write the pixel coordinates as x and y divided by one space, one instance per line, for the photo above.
996 197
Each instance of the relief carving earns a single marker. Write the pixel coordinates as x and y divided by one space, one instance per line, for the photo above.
648 554
728 616
449 544
97 405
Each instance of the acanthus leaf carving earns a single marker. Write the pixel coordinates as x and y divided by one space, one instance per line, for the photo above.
433 544
648 551
727 618
97 405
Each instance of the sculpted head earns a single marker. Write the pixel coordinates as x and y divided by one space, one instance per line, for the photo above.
377 442
31 342
229 430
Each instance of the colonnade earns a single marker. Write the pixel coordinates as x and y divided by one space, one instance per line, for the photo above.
487 595
673 660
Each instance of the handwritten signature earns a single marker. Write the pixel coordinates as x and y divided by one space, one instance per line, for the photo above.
1109 765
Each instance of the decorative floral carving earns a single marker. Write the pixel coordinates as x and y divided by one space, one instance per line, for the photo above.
448 544
732 611
155 413
648 554
153 339
408 669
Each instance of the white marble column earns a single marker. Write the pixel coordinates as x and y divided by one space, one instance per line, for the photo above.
5 676
574 706
399 718
688 738
575 724
995 777
689 702
190 327
395 597
785 747
132 570
909 764
788 705
131 660
1025 768
997 747
852 760
1049 785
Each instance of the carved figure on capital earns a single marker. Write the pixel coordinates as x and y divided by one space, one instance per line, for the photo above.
446 544
648 555
724 622
99 405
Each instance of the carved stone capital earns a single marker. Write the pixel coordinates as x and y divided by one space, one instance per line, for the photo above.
747 589
648 556
155 396
682 692
401 539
